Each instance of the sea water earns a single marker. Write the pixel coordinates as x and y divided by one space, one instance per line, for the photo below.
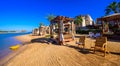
7 40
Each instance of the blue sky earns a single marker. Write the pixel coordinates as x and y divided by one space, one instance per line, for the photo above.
27 14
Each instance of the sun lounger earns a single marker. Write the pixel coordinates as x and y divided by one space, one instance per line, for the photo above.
97 35
91 34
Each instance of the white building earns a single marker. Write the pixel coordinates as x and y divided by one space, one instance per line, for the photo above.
87 20
83 22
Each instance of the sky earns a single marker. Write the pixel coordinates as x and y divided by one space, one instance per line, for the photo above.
27 14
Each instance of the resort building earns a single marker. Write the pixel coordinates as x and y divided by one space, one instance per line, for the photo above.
35 31
42 30
109 24
87 20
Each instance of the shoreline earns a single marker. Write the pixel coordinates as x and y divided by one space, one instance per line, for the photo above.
24 39
12 54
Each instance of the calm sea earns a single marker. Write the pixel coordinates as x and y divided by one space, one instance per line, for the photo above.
7 40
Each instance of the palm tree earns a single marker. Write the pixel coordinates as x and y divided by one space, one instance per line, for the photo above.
78 21
113 7
119 6
50 17
41 24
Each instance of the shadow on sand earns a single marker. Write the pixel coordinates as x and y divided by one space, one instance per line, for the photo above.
79 49
44 40
89 51
115 53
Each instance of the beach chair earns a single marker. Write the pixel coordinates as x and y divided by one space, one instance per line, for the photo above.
81 41
68 37
101 42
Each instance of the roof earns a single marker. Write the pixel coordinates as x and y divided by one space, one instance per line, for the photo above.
115 16
89 17
65 19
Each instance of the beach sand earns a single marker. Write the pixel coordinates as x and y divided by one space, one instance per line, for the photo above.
43 54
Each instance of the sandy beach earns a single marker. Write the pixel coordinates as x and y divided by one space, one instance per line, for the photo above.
44 54
60 33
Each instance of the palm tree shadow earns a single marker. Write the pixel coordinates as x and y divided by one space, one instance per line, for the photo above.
115 53
79 49
44 40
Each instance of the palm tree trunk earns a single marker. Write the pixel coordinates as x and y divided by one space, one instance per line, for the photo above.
39 31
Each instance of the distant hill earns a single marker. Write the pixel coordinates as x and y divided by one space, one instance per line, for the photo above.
1 31
12 31
23 31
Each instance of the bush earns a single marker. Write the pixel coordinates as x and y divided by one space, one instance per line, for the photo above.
47 36
90 26
87 31
117 31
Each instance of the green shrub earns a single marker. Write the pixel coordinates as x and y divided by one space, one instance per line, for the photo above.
47 36
87 31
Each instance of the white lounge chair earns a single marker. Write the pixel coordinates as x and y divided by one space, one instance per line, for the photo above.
97 35
91 34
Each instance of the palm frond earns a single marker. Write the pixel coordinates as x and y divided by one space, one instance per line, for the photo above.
107 11
78 20
50 17
41 24
112 7
119 7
